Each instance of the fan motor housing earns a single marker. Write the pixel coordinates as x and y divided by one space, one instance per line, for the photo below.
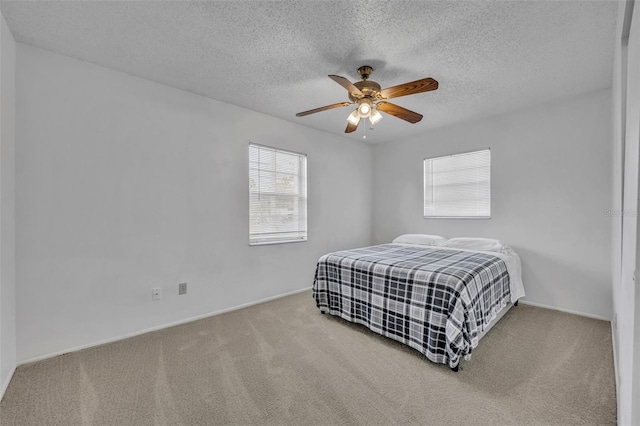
369 88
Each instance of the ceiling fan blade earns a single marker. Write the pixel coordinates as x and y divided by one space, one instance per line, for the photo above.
398 111
355 92
351 127
324 108
418 86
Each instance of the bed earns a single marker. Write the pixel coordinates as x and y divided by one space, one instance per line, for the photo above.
437 296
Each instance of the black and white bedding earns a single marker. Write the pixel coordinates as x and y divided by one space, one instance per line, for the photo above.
437 300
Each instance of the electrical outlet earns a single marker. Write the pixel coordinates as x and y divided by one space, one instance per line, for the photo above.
156 293
182 288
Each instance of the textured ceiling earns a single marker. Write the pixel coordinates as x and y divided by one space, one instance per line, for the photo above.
274 56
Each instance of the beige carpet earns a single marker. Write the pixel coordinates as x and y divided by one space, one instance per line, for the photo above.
282 362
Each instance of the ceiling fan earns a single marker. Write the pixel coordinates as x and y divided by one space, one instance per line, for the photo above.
371 99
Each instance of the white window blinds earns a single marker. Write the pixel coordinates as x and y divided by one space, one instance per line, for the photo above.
277 196
458 185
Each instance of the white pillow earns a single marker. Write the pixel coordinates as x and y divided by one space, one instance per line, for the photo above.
422 239
481 244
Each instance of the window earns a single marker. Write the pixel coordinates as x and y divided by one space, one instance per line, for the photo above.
458 185
277 196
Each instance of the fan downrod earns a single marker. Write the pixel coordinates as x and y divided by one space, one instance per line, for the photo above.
365 71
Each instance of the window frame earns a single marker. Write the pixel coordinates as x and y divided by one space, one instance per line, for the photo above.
424 186
301 197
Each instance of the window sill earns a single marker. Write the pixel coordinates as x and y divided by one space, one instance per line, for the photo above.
457 217
268 243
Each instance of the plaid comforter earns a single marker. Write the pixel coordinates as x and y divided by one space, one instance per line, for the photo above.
432 299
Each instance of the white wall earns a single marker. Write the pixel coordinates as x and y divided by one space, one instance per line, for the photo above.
7 206
551 185
625 253
123 185
618 114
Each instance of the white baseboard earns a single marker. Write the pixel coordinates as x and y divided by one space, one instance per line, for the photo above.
568 311
160 327
6 385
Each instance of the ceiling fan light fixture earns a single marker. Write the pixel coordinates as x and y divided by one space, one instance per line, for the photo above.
375 116
354 117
